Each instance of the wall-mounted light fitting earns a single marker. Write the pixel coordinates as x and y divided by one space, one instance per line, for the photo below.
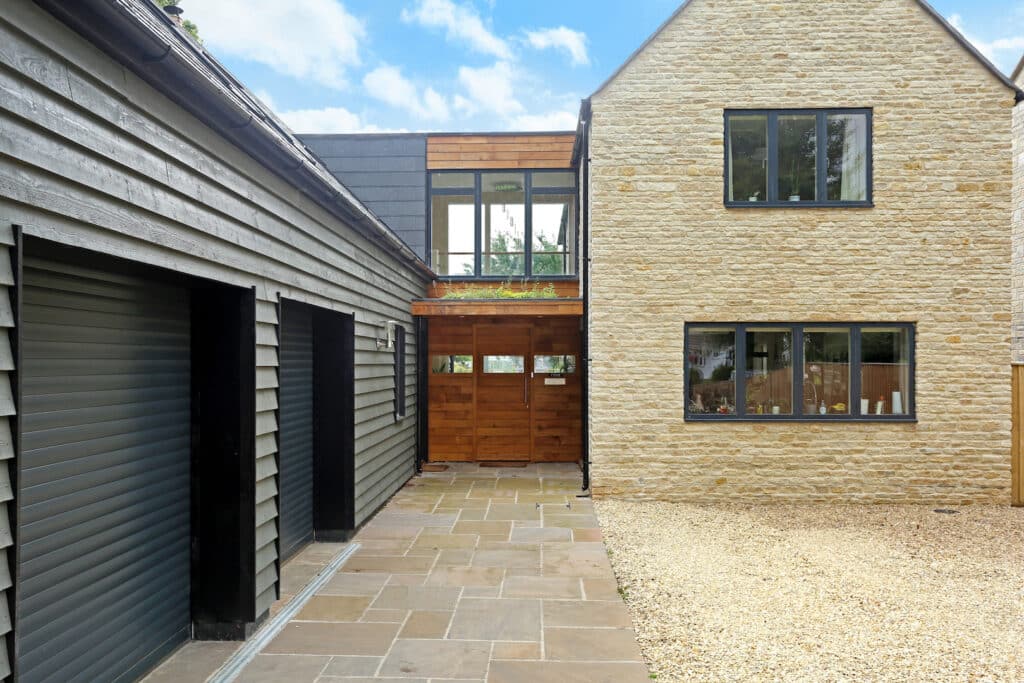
386 337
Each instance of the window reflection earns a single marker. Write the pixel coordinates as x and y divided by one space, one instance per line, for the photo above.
712 381
503 226
451 365
554 365
769 379
826 371
885 372
504 365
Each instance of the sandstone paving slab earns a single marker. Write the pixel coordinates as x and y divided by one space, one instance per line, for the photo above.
418 564
515 651
540 534
508 559
352 666
514 511
276 668
566 672
391 616
601 589
496 619
466 576
482 527
357 584
417 598
541 587
445 541
333 608
611 614
426 624
316 638
437 659
591 644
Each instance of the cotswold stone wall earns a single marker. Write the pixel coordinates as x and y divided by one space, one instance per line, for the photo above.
935 250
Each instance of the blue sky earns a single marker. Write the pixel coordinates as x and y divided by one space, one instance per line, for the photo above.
438 65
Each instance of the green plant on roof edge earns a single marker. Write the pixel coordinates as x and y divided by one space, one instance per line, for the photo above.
502 291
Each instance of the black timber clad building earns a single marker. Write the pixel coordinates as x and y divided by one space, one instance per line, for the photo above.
190 381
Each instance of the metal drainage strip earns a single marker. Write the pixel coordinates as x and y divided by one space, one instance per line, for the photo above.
245 654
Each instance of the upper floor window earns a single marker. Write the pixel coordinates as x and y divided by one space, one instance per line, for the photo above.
503 224
776 157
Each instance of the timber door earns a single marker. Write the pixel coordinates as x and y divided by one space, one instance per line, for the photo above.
556 396
503 392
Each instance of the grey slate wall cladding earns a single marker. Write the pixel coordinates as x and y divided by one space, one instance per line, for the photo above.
388 173
91 156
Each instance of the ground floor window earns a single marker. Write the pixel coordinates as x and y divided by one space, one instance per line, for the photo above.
795 371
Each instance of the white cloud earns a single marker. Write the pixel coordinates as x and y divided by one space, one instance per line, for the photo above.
1002 51
561 38
387 84
555 120
490 89
461 22
266 98
329 120
315 40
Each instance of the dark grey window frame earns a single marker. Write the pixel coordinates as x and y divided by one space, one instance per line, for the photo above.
477 194
796 329
772 200
399 360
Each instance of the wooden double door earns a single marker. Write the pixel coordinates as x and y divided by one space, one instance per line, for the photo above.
505 389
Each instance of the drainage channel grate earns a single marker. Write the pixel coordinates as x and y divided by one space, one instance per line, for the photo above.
230 670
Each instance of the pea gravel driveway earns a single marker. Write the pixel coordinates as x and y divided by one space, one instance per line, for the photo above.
822 592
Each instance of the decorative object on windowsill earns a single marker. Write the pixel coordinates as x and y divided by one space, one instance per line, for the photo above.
754 197
776 410
386 338
794 197
865 406
822 410
839 408
880 406
897 403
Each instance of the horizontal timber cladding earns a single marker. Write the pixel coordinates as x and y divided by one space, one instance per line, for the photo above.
500 151
93 157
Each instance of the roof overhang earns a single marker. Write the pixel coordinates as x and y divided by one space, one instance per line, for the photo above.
533 308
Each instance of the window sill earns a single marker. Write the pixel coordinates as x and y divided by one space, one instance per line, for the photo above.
799 205
845 419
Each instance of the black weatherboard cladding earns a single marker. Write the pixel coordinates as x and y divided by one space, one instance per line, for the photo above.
295 476
104 500
388 173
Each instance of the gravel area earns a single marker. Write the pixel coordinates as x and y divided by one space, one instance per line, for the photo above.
822 592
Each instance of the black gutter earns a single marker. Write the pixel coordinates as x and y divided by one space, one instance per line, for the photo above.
140 36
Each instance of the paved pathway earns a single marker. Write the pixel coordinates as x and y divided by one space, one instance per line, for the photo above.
471 574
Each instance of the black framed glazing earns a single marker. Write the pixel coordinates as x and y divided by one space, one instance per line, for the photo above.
476 192
772 198
856 331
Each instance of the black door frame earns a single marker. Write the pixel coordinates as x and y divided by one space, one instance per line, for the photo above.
334 500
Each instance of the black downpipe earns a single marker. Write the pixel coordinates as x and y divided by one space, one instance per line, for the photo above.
422 379
585 281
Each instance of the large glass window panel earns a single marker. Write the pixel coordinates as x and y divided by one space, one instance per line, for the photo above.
452 223
451 365
826 381
748 158
711 386
503 224
554 365
769 378
553 179
504 365
847 155
884 371
459 181
797 157
554 234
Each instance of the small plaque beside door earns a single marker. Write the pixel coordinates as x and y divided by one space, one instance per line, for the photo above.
554 381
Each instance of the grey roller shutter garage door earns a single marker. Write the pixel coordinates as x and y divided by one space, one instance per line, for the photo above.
104 498
295 476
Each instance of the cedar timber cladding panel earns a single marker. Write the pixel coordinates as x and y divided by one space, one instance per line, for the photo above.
92 156
499 151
